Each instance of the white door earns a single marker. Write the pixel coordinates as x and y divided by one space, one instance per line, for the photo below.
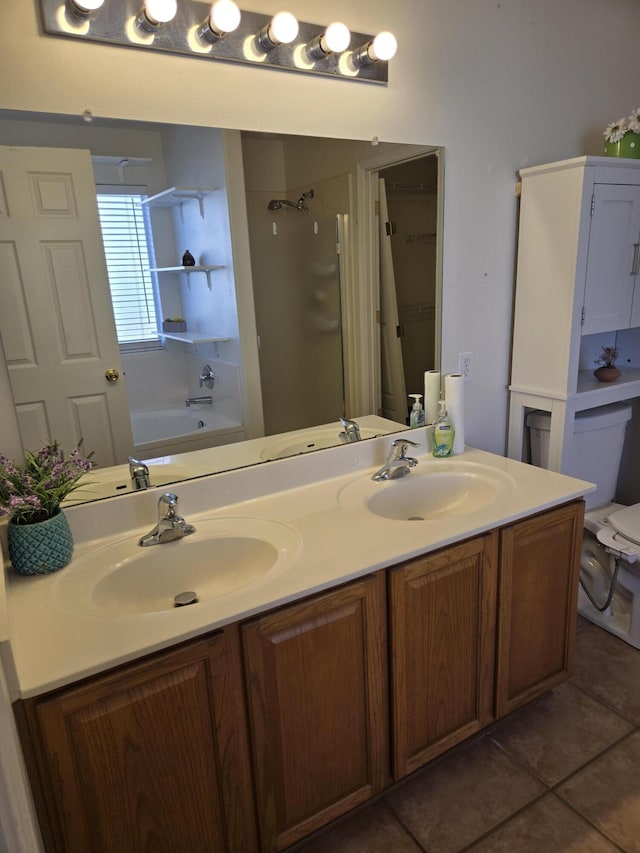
56 319
615 226
394 396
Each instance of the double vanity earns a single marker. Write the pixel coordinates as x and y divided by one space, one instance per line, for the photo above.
344 632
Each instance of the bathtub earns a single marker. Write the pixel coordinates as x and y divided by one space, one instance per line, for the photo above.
162 432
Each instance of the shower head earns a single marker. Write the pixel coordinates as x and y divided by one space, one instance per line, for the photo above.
279 203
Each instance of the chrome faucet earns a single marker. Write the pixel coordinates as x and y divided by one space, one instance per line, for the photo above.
139 474
398 463
351 431
208 400
170 525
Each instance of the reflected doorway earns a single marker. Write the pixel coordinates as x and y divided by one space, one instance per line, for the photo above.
409 198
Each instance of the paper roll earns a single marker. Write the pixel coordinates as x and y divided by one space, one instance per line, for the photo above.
431 394
454 395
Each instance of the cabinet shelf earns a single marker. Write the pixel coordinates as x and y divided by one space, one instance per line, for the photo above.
177 196
591 393
194 337
205 268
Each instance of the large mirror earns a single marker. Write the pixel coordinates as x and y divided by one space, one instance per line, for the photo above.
287 282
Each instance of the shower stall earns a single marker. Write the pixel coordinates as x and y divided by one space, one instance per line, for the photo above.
296 279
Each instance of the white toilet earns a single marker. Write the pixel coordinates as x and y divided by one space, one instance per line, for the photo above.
612 531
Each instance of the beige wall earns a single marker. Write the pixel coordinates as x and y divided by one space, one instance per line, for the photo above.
500 84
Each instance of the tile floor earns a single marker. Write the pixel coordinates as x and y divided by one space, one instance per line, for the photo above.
562 774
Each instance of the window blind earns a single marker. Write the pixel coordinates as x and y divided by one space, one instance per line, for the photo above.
128 252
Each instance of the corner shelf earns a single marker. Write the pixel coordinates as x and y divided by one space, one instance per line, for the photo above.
178 196
195 337
205 268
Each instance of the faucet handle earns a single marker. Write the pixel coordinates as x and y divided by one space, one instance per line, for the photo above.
168 505
351 430
168 517
137 464
139 473
403 444
207 377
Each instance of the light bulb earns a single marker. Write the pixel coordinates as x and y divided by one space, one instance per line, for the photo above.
336 38
160 11
283 28
80 10
87 5
384 47
224 16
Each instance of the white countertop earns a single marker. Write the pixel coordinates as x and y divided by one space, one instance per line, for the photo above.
318 498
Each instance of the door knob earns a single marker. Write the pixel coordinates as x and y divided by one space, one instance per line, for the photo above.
111 375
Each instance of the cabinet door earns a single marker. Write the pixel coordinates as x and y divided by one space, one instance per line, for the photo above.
537 604
442 610
609 286
152 757
316 675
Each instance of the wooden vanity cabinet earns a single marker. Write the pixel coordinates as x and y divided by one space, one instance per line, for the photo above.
282 722
442 647
537 604
152 756
317 689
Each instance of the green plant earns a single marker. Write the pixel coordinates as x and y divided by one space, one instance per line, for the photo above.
607 357
33 491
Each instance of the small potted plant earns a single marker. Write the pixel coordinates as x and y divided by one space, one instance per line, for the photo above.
622 137
39 536
607 372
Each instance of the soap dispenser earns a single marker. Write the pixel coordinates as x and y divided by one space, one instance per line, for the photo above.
443 432
416 418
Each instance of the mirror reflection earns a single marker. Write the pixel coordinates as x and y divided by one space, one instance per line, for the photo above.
199 300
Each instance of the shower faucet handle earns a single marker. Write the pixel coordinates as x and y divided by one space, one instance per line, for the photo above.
207 377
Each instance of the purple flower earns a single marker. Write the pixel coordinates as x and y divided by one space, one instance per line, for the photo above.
34 490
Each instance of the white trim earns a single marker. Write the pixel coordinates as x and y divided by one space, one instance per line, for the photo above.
347 286
251 387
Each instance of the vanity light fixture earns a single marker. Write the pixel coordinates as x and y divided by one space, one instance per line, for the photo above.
80 10
224 17
226 34
335 39
281 29
155 13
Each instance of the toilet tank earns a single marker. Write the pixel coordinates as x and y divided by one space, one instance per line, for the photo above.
596 449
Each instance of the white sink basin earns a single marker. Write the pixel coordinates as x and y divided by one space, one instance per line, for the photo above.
315 440
435 491
221 557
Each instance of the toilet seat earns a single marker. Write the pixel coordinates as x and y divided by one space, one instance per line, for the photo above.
620 537
627 522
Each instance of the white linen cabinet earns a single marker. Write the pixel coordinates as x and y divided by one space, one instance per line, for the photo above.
577 275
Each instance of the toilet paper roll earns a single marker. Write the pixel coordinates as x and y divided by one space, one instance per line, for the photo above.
454 395
431 394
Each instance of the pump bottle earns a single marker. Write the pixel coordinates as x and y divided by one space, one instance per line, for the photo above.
416 418
443 432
